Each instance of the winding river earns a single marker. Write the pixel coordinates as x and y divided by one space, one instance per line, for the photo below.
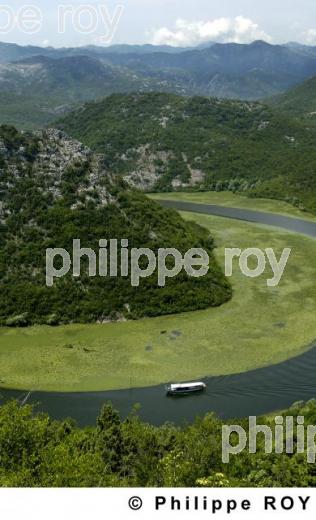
297 225
251 393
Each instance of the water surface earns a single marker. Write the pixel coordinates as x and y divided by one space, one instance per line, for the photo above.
251 393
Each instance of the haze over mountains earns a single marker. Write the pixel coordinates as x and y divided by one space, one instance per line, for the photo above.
13 52
37 84
34 91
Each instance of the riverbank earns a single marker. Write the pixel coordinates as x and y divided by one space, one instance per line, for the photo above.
259 327
235 200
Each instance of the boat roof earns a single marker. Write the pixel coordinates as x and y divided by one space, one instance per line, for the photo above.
186 385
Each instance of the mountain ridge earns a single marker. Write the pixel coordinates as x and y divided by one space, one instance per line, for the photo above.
239 71
164 142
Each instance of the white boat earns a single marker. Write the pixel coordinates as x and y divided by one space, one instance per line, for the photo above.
185 388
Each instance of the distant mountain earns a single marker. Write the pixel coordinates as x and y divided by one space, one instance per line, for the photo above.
250 72
140 49
54 190
298 102
229 70
305 49
34 91
161 142
12 52
230 58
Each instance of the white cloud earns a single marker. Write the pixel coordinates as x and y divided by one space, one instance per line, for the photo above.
186 33
310 36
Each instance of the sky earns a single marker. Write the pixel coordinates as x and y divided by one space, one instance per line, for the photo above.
173 22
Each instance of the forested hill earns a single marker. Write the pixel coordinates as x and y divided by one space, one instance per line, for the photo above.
53 190
299 102
160 142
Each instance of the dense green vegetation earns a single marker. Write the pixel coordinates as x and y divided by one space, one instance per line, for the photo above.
299 102
37 451
229 145
42 209
52 191
187 346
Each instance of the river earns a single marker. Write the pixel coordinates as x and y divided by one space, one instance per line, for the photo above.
251 393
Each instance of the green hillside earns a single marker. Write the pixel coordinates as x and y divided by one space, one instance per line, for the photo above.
299 102
160 142
54 190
